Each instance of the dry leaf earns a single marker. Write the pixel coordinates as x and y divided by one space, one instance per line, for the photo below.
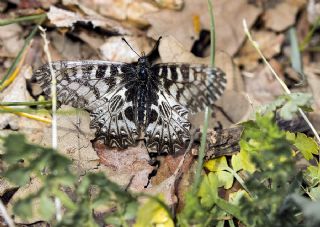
280 17
313 77
269 43
123 10
74 138
228 23
129 168
65 18
261 84
16 92
10 40
115 49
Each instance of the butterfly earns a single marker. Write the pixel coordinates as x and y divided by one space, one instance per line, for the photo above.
127 101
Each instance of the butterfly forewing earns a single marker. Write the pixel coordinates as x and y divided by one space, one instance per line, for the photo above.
192 85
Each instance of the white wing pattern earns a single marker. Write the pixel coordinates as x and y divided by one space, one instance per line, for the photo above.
97 87
192 85
126 100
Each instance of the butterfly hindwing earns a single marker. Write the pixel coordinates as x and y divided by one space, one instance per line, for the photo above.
167 128
192 85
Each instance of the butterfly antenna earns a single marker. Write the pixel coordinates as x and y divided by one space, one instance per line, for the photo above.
155 47
123 39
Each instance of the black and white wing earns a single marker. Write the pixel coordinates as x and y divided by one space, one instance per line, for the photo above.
99 87
167 129
192 85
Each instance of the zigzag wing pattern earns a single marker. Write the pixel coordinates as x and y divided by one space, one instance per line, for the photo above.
97 86
167 127
192 85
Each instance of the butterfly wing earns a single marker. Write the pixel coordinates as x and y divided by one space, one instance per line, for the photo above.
167 129
192 85
99 87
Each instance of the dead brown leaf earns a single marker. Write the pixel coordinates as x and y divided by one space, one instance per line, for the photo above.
123 10
228 22
313 77
282 15
64 18
115 49
269 43
261 85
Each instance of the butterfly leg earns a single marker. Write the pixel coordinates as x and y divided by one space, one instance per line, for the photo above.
155 163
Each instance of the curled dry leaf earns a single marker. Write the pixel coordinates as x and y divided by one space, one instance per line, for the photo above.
282 16
115 49
123 10
65 18
228 22
269 43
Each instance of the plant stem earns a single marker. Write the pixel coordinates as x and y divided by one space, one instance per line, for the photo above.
207 110
22 19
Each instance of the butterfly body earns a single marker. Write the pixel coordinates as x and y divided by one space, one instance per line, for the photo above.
126 101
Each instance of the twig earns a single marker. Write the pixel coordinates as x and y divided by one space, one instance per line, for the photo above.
54 111
5 215
284 86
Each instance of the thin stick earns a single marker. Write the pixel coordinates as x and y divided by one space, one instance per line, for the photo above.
284 86
5 215
54 111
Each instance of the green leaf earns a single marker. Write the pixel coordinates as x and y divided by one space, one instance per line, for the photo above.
23 208
18 176
288 105
208 191
305 144
152 213
225 179
216 164
46 207
242 160
312 174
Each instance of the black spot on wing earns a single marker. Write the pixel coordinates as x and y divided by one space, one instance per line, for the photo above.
101 71
128 112
174 74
